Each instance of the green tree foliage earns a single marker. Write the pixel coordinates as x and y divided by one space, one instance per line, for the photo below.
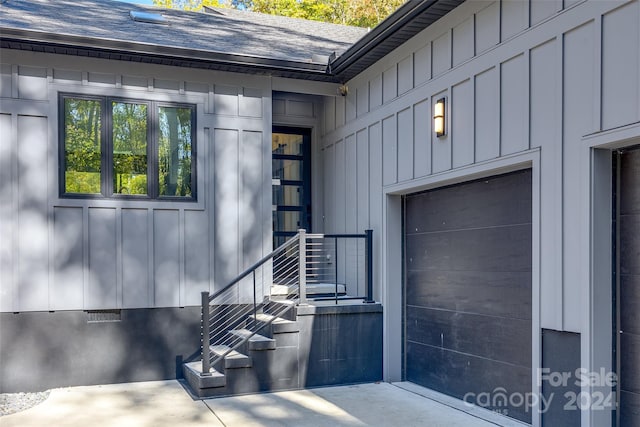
361 13
192 5
83 131
174 151
129 123
129 140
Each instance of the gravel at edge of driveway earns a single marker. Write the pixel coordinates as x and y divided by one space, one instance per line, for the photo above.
11 403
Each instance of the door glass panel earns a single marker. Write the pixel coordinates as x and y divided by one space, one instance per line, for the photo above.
287 220
291 173
290 170
280 240
290 144
287 195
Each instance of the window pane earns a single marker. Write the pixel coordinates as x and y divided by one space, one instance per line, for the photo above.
284 143
82 153
129 148
290 170
287 220
174 151
287 195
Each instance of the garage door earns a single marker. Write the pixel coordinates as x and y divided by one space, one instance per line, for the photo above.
629 292
468 290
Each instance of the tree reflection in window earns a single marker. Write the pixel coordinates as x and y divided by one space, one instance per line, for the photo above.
129 123
126 148
82 145
174 151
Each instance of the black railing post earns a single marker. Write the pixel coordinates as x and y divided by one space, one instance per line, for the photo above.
255 306
369 265
335 263
206 351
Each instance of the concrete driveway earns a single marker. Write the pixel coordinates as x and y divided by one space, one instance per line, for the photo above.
166 403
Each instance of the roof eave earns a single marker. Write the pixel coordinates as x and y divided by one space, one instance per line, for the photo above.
356 56
407 21
20 38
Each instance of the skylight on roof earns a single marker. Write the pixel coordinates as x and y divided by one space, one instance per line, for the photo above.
152 18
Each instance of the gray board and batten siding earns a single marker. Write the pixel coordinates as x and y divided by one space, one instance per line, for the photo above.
139 265
62 253
518 76
84 254
527 84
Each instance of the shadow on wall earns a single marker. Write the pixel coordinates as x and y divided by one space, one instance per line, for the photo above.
42 350
44 264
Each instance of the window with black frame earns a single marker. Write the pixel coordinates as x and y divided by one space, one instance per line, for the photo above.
115 147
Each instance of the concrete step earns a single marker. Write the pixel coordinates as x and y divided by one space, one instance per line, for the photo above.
278 324
285 309
256 342
232 359
203 385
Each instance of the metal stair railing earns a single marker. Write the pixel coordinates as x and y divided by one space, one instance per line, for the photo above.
342 261
230 316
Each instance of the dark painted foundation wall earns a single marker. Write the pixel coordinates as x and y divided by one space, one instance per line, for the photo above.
560 355
42 350
340 344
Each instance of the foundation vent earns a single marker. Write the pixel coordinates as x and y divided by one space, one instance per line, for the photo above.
102 316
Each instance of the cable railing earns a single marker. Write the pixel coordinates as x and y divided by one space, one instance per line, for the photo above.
315 266
339 266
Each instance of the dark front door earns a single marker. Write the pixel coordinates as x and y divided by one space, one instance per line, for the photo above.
291 149
468 291
629 287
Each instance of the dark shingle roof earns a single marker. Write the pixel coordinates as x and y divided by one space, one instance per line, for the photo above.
220 39
292 38
220 31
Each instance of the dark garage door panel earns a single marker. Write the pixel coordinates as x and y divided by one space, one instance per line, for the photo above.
630 288
505 294
489 249
629 409
468 287
457 374
457 331
475 204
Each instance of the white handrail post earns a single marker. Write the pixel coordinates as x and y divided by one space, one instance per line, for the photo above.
302 265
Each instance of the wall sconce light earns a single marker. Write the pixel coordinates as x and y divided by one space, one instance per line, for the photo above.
439 122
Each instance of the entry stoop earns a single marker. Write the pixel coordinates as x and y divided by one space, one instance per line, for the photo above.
316 345
263 362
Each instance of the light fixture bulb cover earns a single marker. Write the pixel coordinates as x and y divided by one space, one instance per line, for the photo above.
439 117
